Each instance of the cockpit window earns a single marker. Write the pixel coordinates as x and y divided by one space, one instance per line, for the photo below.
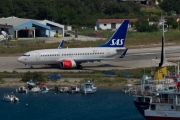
26 55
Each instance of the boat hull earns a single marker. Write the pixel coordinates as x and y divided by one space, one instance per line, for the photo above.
21 91
89 90
161 118
11 99
141 106
162 115
8 99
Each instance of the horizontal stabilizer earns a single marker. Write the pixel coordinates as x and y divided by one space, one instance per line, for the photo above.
124 53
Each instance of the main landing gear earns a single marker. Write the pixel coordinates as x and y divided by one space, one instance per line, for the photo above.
29 66
79 66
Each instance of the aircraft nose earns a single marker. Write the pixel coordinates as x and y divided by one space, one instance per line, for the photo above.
20 59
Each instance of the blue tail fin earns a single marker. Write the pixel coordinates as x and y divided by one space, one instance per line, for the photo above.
124 53
61 44
118 38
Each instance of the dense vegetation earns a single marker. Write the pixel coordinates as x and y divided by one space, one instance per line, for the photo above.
82 12
170 6
69 12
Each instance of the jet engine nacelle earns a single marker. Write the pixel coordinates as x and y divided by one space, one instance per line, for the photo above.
68 64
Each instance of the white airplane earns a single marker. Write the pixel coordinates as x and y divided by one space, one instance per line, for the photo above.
73 57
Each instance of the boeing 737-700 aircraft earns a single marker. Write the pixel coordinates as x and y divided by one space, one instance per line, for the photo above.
73 57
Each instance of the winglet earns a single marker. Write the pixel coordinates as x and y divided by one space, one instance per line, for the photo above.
61 44
124 53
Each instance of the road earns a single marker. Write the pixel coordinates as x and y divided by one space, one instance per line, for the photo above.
135 58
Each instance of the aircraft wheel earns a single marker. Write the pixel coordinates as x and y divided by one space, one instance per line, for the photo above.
79 66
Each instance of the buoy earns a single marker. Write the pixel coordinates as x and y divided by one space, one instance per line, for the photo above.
55 93
26 104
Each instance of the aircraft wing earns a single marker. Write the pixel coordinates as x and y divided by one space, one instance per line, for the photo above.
124 53
81 60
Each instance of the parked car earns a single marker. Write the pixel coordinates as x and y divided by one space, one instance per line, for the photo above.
110 73
54 77
67 34
58 35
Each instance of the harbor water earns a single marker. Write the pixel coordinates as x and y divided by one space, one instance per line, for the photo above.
105 104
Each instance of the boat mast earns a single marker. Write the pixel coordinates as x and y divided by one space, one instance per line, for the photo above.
161 71
163 57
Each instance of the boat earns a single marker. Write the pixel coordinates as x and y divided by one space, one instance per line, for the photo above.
143 98
89 88
32 87
21 89
152 86
75 89
44 89
127 89
10 98
164 106
62 89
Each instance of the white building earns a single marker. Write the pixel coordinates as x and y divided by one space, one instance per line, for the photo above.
28 28
55 27
105 24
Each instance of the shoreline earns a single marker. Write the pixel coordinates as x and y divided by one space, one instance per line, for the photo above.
52 85
16 82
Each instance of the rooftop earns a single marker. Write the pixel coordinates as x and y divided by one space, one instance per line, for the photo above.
115 20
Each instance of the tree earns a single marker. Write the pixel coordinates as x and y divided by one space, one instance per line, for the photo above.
170 5
172 22
143 26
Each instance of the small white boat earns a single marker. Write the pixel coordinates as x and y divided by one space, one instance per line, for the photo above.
89 88
10 98
127 89
75 89
44 89
33 89
21 89
31 83
64 89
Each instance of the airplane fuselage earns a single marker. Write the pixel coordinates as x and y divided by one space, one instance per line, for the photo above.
54 56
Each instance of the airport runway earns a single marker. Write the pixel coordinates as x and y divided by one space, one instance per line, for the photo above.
135 58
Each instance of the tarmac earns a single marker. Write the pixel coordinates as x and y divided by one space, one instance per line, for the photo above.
135 58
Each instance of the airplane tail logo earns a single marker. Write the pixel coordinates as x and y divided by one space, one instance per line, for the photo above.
118 38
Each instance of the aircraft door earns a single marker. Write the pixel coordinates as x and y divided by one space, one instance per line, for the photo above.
108 52
37 56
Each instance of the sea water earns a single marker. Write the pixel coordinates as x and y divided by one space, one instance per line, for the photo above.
105 104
